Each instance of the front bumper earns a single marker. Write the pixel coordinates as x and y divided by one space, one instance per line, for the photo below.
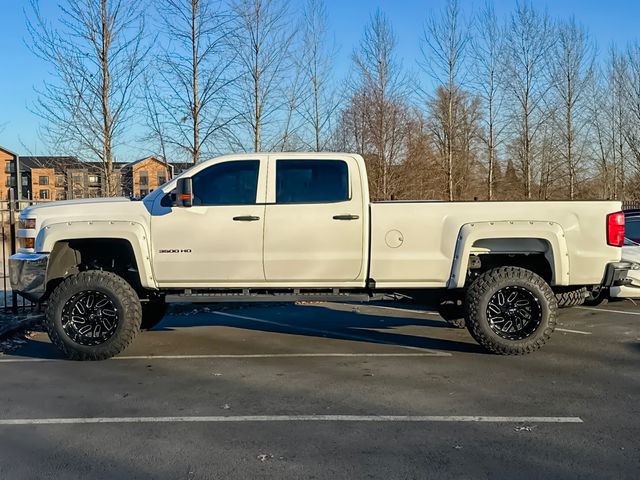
28 274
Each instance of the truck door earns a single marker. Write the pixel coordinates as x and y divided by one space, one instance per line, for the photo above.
314 222
217 241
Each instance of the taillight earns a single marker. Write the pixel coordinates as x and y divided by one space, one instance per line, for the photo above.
615 229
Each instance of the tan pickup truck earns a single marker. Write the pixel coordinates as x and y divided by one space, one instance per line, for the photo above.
292 226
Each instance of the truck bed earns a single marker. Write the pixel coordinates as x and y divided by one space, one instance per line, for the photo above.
413 242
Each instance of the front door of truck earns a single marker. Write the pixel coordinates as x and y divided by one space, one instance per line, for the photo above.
219 240
315 222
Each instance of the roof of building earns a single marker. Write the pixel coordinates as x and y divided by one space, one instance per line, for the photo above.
6 150
61 164
58 163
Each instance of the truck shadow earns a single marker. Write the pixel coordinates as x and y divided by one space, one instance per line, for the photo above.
347 323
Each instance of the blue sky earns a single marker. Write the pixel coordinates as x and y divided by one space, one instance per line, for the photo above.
607 21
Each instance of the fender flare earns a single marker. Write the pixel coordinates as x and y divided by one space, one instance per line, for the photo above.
549 232
132 232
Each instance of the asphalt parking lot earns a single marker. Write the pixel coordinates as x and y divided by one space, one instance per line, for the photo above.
328 391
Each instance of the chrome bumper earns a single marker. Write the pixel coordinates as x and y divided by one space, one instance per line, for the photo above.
27 273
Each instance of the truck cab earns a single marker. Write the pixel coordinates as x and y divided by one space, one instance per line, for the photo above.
264 220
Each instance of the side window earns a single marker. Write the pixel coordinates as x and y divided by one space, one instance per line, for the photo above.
228 183
312 181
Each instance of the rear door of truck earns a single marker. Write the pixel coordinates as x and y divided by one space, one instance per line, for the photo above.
314 221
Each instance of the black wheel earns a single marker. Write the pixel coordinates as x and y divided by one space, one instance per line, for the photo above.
510 311
596 296
93 315
452 311
152 314
571 297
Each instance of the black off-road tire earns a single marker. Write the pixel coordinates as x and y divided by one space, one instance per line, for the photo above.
118 291
571 297
481 292
152 314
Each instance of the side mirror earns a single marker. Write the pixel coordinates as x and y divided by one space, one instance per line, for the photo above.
184 192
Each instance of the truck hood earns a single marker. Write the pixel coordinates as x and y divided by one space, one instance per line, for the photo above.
87 209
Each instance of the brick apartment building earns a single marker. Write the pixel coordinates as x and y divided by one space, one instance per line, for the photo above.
47 178
8 178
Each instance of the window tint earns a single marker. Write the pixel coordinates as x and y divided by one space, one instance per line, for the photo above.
632 229
311 181
228 183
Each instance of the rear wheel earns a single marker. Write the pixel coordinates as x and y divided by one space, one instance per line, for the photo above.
510 311
93 315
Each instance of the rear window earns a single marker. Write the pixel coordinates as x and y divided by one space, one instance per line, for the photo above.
312 181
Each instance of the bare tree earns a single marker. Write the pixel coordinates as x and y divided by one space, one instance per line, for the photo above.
572 70
380 91
97 52
599 108
263 41
154 119
528 44
617 86
443 47
194 75
631 85
321 101
488 71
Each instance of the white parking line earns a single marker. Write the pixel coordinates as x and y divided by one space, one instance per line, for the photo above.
239 356
572 331
339 335
289 418
609 311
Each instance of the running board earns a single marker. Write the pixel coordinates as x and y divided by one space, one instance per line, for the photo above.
247 296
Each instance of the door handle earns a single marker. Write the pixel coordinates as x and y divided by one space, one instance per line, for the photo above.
246 218
346 217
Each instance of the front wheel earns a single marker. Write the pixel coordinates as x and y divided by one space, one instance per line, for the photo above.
510 311
93 315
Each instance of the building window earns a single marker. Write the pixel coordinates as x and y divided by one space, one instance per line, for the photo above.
59 180
162 178
44 195
94 179
60 196
43 180
25 181
144 178
10 167
144 192
11 181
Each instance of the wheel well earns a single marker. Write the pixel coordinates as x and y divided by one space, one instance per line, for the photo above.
68 257
536 262
534 254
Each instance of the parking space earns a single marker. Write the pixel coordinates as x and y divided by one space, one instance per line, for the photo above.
328 391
